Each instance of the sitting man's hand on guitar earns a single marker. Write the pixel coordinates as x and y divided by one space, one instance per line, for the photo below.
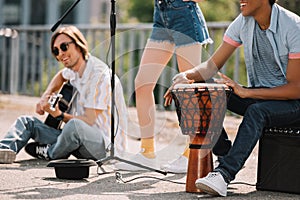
177 79
44 106
39 109
53 112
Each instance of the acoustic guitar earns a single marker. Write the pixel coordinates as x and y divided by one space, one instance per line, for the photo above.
64 98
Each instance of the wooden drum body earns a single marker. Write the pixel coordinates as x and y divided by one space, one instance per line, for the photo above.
201 109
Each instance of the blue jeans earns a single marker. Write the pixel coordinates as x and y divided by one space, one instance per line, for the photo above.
76 138
257 115
179 22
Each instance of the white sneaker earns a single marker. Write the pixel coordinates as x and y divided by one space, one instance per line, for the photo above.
213 184
178 166
7 156
139 159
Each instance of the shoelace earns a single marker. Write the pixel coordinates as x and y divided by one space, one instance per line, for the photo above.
42 151
212 175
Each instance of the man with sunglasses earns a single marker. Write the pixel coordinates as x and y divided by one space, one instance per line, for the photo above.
86 132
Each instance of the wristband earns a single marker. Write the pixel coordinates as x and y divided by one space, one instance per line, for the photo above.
60 117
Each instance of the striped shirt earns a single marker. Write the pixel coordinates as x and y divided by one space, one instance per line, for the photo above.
266 71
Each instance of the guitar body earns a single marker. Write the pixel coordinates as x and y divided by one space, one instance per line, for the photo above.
64 104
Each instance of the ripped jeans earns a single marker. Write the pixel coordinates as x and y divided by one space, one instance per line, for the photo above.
76 138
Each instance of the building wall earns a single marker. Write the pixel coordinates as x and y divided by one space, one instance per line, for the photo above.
41 12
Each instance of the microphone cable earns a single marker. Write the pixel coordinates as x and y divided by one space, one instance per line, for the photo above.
120 179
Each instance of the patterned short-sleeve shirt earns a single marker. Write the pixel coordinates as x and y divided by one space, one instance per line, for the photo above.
94 91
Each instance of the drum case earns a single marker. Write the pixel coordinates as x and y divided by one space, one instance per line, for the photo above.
279 160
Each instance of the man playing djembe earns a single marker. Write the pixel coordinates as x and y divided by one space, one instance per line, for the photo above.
271 38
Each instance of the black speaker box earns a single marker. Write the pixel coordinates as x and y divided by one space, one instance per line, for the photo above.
279 160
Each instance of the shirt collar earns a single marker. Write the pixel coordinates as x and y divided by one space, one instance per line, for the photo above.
86 71
274 18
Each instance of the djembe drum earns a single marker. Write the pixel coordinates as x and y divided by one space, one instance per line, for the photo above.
201 109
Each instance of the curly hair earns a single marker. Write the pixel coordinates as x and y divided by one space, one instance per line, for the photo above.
76 36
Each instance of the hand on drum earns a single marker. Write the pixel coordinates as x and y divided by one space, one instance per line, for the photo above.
237 89
177 79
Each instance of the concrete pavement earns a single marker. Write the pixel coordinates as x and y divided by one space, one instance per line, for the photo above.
29 178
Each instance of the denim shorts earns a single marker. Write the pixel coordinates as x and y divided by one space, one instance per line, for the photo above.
178 22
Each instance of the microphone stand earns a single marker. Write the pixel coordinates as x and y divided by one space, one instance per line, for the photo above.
112 151
54 27
113 42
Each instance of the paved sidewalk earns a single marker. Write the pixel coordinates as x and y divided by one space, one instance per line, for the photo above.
29 178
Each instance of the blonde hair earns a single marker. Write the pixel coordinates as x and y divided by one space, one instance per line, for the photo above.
76 36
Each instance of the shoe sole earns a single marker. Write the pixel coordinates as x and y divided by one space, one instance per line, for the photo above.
166 169
173 168
128 167
134 161
173 172
207 189
7 156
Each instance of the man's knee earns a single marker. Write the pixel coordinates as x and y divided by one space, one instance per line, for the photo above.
73 127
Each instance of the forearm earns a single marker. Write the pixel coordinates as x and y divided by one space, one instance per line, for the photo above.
208 69
202 72
285 92
55 84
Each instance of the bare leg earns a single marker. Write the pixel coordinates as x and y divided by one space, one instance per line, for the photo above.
187 58
155 57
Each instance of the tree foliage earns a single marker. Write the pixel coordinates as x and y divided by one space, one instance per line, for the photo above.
142 10
213 10
219 10
290 5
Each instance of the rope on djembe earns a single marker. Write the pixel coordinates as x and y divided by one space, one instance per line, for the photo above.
200 111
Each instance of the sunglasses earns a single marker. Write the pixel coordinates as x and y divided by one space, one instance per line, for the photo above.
63 46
